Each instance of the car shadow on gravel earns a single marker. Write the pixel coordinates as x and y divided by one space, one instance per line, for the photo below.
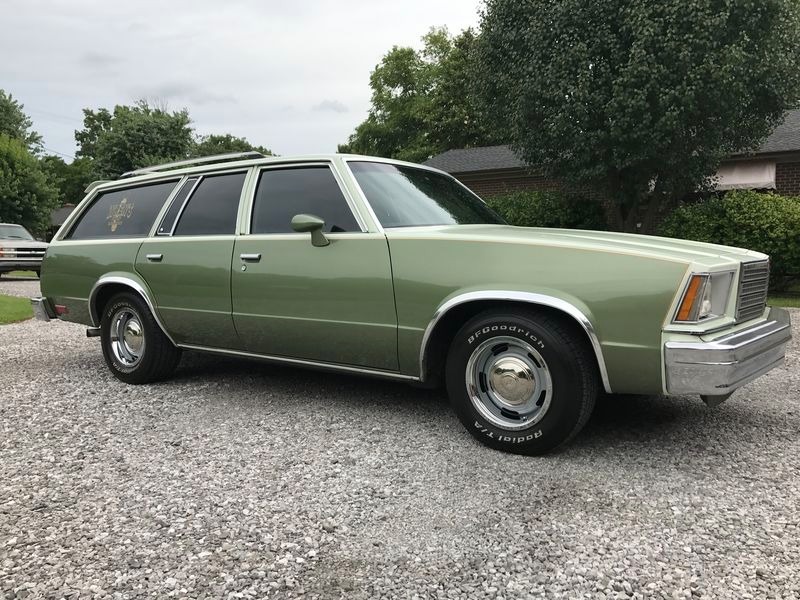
278 378
655 426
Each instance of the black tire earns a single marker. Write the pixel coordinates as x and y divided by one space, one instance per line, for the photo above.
158 357
559 410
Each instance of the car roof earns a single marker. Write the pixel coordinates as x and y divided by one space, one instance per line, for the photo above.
160 172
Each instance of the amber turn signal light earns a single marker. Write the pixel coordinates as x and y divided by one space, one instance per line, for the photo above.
691 298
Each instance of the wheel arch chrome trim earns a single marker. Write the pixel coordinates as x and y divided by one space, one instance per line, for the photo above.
515 296
134 285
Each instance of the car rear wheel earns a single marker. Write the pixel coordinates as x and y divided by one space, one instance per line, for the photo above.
134 347
522 382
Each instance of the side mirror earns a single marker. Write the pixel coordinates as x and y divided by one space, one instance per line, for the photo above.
313 224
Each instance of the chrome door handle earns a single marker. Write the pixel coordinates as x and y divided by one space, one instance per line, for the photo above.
251 257
155 257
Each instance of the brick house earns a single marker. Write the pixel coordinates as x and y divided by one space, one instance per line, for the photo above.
493 170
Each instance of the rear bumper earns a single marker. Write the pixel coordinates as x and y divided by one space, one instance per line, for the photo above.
42 309
720 366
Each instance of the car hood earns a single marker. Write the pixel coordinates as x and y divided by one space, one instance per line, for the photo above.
689 252
15 243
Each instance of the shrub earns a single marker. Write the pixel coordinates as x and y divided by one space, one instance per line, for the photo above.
764 222
548 209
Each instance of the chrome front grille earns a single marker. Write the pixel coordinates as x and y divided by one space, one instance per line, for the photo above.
753 287
22 253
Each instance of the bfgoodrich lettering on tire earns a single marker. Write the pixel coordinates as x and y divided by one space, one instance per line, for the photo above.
521 381
134 347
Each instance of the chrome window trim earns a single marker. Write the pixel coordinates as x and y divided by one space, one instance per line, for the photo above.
248 229
183 205
136 287
362 195
516 296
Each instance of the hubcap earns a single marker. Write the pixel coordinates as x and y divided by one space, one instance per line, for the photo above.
509 383
127 337
512 380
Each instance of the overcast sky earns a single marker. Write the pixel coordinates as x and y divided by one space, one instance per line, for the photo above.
292 75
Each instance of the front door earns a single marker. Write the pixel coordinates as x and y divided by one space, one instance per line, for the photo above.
332 304
187 265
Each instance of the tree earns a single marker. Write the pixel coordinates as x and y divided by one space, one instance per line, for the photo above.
70 179
26 195
642 99
222 144
16 124
421 101
132 137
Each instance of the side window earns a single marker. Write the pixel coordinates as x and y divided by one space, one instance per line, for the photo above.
213 207
168 222
122 213
283 193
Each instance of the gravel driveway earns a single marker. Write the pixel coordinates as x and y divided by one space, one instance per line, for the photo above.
239 480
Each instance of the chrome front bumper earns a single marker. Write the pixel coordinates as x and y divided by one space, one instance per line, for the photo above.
719 366
42 309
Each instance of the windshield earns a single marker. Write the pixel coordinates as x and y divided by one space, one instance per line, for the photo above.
406 197
14 232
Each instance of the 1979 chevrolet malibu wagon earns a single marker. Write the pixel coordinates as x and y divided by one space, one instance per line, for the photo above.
385 268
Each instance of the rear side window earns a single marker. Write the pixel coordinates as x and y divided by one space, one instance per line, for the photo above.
213 206
283 193
122 213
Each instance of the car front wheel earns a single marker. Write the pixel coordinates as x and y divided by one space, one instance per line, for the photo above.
521 381
134 347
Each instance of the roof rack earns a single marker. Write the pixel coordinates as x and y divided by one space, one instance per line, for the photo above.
194 161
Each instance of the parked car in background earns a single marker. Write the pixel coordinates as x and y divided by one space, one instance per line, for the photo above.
19 250
384 268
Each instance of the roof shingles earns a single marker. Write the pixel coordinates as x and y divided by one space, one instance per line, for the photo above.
785 138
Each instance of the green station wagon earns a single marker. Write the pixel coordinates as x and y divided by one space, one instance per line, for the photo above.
385 268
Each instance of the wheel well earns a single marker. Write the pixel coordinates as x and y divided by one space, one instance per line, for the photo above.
104 294
446 328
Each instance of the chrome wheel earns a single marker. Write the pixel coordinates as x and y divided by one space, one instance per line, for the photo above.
127 337
509 383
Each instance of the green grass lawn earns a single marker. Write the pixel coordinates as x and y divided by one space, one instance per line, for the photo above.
19 274
790 300
13 309
785 301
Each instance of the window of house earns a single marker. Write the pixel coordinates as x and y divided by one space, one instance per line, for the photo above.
283 193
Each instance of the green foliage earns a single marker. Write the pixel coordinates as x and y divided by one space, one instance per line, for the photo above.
132 137
16 124
223 144
26 195
640 98
764 222
71 179
548 209
422 102
13 309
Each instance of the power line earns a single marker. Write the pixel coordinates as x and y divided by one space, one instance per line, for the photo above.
59 153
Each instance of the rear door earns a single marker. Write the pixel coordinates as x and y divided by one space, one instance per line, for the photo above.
187 264
332 304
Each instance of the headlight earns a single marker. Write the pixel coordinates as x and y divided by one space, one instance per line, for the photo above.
705 297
